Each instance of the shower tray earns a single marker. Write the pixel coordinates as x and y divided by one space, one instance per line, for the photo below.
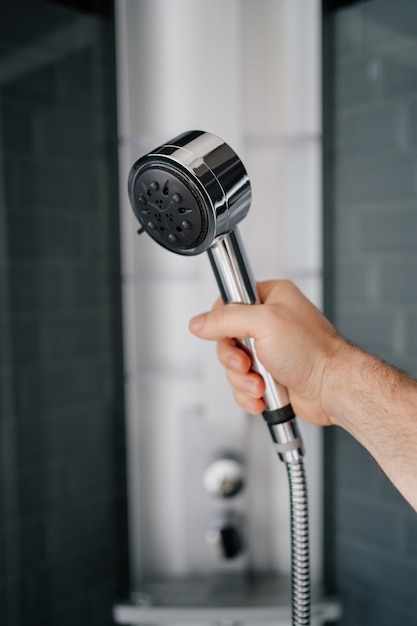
222 601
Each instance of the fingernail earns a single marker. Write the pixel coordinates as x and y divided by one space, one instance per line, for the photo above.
250 386
196 323
251 405
234 364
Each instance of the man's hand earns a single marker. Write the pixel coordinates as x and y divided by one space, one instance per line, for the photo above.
293 341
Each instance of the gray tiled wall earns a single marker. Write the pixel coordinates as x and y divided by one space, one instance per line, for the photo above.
374 292
62 487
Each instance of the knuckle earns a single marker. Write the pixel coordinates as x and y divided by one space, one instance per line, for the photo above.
288 287
268 315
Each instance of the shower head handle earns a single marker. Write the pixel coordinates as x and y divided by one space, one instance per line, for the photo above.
236 284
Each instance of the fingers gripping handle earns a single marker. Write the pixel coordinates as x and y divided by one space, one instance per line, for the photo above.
236 283
233 274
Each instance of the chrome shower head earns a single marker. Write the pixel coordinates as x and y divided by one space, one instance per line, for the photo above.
189 192
189 195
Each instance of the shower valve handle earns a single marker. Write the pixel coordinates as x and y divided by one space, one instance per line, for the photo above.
237 285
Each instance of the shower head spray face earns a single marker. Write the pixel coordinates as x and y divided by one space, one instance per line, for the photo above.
189 192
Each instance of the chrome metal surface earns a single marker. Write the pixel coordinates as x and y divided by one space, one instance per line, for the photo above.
232 270
224 478
287 440
236 283
300 552
210 170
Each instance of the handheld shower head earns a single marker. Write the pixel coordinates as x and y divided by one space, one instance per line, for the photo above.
189 195
190 191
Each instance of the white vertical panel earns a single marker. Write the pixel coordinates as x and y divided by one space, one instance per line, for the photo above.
284 227
179 68
249 72
282 63
184 66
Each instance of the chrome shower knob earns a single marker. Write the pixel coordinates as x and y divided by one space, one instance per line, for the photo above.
224 478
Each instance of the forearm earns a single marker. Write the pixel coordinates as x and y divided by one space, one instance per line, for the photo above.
377 405
329 380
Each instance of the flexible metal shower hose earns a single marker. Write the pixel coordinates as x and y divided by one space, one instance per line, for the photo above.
300 560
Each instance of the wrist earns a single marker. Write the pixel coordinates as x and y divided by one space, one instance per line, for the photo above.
341 376
361 389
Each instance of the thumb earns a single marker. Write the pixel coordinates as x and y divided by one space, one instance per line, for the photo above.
232 321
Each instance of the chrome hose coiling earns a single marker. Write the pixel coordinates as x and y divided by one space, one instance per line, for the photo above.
300 558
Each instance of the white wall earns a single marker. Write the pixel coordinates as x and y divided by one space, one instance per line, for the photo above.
249 72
